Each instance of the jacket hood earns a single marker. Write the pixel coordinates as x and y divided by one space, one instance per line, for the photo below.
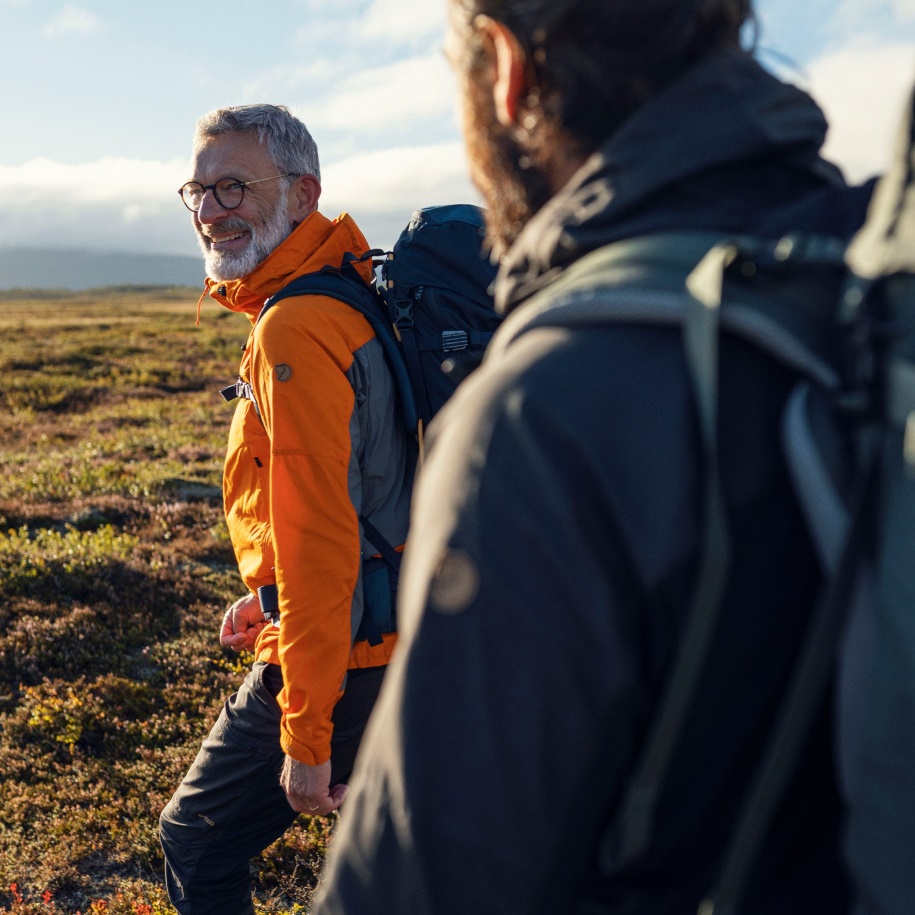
725 110
315 243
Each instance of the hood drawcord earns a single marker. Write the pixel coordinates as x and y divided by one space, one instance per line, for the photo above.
203 295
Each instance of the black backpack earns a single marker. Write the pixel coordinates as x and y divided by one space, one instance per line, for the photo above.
843 318
433 314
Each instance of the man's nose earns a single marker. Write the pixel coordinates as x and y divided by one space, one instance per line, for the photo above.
210 208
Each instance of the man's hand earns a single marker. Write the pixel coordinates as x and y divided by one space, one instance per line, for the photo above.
242 623
307 788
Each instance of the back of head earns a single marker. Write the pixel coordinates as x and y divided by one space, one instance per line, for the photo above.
288 141
597 61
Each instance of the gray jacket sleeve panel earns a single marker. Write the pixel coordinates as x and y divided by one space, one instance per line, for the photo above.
520 647
380 480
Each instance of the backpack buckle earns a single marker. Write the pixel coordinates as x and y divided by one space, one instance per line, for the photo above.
403 314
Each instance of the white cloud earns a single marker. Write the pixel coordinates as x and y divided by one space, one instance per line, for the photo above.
73 20
405 21
382 189
107 180
379 26
132 204
390 179
375 100
118 204
863 88
281 81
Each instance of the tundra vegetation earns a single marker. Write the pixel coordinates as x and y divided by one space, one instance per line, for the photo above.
115 569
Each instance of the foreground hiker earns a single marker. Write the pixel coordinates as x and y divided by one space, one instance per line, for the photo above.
313 454
567 509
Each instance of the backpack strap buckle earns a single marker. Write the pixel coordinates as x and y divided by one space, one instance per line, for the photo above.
403 314
240 389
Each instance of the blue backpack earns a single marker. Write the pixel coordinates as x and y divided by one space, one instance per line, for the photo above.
433 315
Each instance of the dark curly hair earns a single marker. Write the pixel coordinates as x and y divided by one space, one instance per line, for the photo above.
596 61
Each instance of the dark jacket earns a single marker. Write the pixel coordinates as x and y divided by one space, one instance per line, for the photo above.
553 551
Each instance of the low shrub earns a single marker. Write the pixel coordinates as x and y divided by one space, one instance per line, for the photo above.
115 569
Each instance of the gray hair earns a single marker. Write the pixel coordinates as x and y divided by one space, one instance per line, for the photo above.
290 145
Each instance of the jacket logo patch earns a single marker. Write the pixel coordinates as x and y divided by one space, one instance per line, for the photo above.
283 372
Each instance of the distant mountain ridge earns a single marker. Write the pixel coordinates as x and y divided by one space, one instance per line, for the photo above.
53 268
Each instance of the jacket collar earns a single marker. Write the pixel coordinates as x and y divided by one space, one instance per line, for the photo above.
725 110
315 243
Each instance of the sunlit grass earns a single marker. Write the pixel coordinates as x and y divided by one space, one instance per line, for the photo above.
115 568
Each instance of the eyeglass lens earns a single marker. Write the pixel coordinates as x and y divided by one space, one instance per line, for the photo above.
228 192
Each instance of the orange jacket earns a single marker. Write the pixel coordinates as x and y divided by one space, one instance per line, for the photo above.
325 449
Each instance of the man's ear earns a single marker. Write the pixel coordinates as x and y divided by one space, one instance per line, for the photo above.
303 197
510 64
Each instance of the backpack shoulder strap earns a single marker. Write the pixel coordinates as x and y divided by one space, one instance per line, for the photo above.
644 281
673 280
348 287
345 285
678 280
700 322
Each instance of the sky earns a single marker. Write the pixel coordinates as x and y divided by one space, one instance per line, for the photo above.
101 97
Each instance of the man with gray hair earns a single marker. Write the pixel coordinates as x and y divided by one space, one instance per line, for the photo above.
559 534
315 459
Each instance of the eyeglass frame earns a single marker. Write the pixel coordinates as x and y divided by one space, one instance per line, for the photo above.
212 187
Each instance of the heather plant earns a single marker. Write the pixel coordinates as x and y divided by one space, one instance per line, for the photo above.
115 568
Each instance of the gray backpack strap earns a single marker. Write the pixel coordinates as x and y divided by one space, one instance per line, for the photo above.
824 509
674 280
700 318
679 294
643 281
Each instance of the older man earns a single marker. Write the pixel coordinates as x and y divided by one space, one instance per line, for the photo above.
313 455
558 529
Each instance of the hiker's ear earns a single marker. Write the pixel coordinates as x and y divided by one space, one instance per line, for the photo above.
303 197
509 85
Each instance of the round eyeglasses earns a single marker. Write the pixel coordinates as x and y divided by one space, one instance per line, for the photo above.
229 192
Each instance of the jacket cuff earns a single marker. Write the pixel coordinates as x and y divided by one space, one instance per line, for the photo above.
303 753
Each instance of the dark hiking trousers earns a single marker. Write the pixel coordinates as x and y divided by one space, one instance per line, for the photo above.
230 806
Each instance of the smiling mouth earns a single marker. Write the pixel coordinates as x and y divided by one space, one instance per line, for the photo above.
225 235
221 241
217 240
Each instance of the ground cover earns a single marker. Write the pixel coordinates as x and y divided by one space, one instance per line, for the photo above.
115 569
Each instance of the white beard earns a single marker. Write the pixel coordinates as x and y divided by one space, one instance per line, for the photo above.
233 265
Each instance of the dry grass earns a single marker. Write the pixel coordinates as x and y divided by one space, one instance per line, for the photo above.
115 568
